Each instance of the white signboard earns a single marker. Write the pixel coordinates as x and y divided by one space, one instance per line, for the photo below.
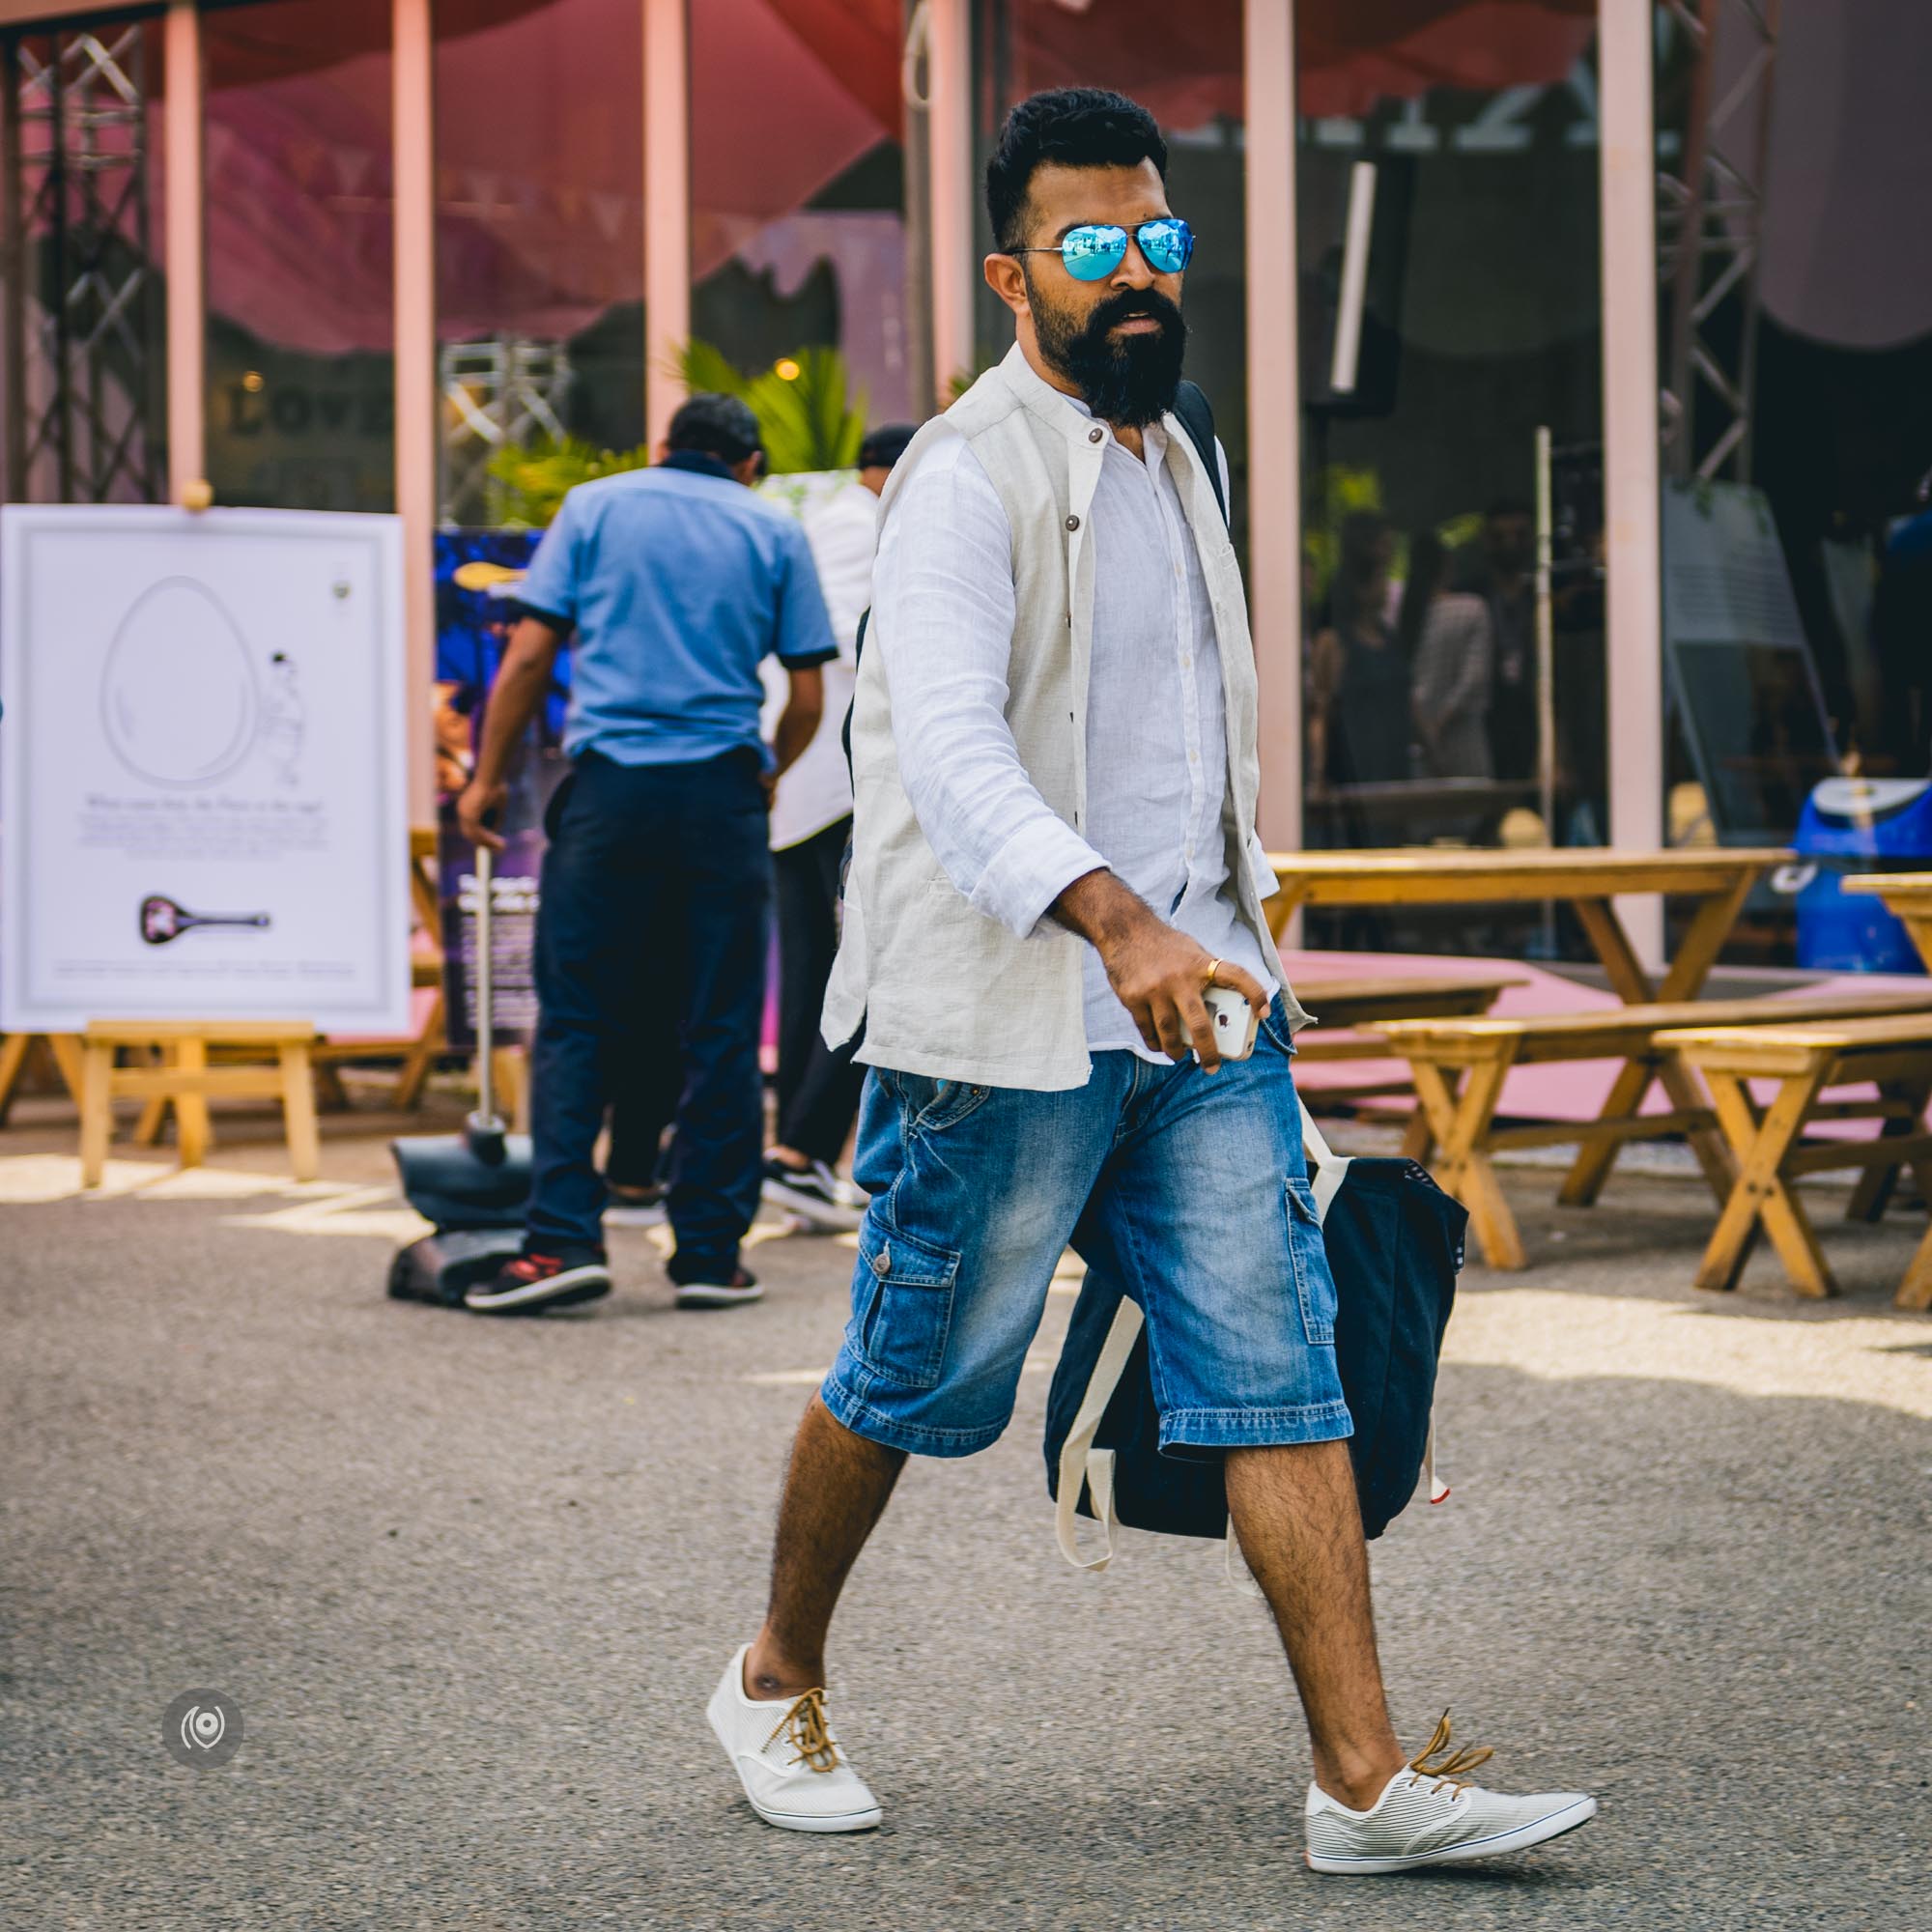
202 767
1724 580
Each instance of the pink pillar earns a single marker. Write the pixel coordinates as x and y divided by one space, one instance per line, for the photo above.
1633 541
180 222
667 162
1274 415
416 425
956 266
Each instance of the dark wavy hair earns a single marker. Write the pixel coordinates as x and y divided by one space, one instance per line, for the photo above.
1075 126
710 424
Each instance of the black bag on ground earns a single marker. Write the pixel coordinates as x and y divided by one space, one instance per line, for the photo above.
1395 1245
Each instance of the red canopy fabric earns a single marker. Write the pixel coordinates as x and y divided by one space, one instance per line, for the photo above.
786 95
1184 61
1352 53
539 137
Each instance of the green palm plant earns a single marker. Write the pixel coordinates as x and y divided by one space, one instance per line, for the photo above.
531 479
808 412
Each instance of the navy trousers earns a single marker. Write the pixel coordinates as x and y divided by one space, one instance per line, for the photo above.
818 1084
656 899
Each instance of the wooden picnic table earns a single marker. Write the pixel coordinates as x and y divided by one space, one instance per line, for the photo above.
1805 1056
1908 896
1719 878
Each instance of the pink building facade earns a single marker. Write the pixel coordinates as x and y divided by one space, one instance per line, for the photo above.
333 253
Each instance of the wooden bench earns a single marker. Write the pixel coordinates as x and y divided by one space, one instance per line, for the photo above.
185 1079
1342 1008
14 1047
1806 1057
1338 1004
1460 1065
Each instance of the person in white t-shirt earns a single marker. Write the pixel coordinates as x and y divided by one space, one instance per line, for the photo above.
812 824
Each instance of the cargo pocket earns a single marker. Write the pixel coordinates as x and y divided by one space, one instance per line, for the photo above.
1314 1284
1274 1025
899 1330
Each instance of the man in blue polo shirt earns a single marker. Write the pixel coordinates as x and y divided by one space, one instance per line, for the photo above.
678 582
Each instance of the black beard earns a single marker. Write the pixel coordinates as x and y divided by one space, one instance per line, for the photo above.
1131 381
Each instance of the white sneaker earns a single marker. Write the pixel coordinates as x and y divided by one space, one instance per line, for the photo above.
787 1759
1427 1816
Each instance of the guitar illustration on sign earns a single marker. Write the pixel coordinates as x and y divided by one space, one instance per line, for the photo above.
163 920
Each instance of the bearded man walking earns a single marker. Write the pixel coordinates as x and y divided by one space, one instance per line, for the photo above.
1054 746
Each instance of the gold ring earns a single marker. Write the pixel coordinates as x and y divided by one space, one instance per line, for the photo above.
1214 967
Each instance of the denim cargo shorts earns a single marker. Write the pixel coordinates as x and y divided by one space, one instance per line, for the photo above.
1190 1189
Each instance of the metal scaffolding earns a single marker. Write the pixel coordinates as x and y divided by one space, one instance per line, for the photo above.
495 392
85 370
1710 233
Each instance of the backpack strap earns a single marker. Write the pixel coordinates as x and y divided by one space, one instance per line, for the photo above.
1079 1461
1196 415
857 653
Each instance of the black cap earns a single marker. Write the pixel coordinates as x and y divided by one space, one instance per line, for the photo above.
884 447
716 425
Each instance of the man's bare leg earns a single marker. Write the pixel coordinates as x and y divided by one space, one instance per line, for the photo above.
835 1491
1294 1510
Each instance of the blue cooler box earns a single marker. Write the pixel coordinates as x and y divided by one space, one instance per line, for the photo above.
1858 825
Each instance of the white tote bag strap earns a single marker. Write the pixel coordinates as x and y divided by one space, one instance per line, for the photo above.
1079 1461
1432 1474
1330 1168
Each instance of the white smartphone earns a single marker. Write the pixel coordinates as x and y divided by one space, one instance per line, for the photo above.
1235 1022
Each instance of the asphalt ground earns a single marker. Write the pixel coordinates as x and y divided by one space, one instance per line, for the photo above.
471 1582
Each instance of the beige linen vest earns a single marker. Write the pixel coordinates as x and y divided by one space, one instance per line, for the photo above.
940 988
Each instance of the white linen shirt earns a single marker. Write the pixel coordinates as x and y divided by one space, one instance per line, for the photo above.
1156 729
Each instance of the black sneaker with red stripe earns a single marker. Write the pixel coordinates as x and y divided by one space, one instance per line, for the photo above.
535 1282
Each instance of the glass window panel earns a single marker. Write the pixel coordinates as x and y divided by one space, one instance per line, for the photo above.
798 188
540 232
1449 279
1799 694
301 280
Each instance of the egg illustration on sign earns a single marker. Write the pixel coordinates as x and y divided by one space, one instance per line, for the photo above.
177 693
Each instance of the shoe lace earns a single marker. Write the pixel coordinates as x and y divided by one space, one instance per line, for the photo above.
809 1732
1435 1760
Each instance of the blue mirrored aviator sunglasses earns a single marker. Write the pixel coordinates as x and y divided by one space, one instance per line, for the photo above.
1093 250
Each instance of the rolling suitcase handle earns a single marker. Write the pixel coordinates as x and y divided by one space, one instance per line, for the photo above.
483 1130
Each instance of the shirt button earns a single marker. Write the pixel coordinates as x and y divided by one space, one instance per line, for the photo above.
1187 661
882 1262
1073 523
1194 758
1097 435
